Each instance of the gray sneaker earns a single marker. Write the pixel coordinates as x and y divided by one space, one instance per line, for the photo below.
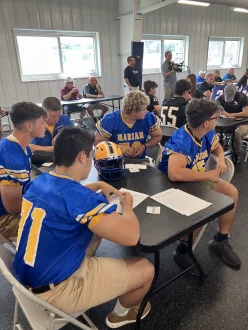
184 261
225 251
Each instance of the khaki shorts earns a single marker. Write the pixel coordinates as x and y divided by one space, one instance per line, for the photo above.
208 184
95 282
9 224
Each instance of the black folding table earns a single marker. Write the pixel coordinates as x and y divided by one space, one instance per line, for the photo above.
159 231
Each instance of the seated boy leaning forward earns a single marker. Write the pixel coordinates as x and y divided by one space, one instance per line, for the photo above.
131 127
150 90
55 122
184 159
29 122
60 267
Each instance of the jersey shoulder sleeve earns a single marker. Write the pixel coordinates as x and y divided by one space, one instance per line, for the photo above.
66 121
86 206
179 143
12 169
212 139
155 100
106 125
152 122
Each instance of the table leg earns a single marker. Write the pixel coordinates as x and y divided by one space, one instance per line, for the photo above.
221 137
193 258
149 293
234 155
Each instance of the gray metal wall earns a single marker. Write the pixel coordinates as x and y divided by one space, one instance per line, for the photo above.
70 15
198 23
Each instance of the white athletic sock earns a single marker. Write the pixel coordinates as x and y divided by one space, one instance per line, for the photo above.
120 310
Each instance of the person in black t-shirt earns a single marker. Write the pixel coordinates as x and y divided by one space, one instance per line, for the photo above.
150 90
235 105
194 92
173 109
207 86
131 76
218 79
243 80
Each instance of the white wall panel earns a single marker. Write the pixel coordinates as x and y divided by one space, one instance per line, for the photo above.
71 15
197 23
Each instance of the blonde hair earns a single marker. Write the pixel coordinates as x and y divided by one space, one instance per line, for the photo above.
134 101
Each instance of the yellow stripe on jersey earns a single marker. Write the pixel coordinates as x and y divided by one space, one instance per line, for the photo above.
26 209
19 175
91 213
215 142
155 126
9 183
102 131
38 216
61 176
192 137
95 220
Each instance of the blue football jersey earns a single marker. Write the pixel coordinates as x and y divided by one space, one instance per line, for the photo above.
15 165
196 152
58 214
113 127
64 121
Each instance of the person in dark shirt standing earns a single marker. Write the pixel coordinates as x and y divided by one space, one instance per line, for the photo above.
243 80
207 86
218 79
235 105
150 90
131 76
174 108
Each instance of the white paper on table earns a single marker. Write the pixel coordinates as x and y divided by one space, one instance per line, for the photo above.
136 166
137 199
153 209
141 166
180 201
47 164
133 170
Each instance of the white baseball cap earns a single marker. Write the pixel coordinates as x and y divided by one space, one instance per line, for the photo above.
202 72
68 79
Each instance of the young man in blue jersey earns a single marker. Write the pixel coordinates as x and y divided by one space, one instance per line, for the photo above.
184 159
131 127
55 122
29 122
56 246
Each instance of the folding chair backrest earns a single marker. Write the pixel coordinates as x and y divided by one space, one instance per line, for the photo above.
211 164
167 132
40 314
154 153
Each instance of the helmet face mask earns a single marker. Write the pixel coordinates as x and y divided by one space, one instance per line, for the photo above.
109 161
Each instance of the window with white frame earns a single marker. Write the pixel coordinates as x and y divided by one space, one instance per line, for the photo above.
224 53
156 46
46 55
